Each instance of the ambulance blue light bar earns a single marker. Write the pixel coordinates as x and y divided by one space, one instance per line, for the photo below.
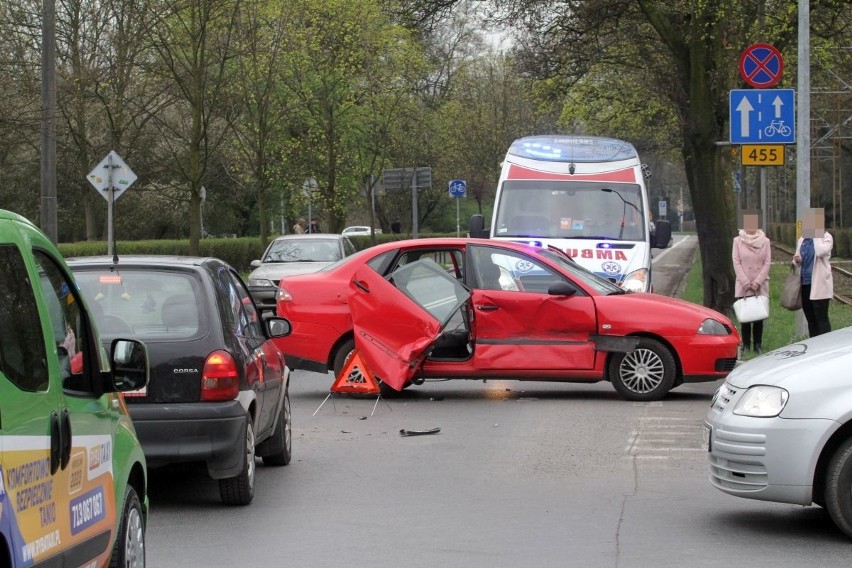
572 149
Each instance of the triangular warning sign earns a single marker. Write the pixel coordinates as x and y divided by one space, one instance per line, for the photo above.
355 377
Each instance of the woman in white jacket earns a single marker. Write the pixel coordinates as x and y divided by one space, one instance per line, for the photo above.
813 254
752 256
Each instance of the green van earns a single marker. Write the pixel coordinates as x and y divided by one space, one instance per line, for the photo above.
72 473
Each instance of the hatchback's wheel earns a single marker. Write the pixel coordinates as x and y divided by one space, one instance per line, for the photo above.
646 373
129 548
239 490
838 488
278 450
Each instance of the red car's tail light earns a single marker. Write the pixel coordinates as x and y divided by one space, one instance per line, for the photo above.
220 379
282 295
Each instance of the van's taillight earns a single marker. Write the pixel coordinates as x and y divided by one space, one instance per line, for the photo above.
220 379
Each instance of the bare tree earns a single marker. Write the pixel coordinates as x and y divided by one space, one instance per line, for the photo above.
193 41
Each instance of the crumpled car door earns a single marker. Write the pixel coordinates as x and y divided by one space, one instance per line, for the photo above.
396 319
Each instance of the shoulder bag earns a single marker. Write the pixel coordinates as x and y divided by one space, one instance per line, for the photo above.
791 294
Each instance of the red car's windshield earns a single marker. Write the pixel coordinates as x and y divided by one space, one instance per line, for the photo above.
578 272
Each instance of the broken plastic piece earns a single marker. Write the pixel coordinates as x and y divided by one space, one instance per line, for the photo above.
405 432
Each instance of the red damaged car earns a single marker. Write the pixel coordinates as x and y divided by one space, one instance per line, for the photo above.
479 309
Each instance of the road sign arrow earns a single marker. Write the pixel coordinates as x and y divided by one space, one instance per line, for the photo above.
778 104
744 108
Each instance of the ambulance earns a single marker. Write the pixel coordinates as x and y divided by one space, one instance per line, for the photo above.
72 474
584 195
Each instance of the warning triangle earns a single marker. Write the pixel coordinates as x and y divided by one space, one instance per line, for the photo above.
355 377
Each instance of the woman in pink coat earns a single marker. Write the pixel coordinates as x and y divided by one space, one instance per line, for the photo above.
751 254
813 252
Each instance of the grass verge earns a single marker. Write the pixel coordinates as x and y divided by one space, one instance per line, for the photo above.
780 329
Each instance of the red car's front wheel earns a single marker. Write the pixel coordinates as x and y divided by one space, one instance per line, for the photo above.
646 373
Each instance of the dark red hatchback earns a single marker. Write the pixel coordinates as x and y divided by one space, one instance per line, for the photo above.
218 391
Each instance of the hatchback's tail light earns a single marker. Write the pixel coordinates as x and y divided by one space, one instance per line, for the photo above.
220 379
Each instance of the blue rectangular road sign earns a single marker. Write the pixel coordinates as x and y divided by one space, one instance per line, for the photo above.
763 116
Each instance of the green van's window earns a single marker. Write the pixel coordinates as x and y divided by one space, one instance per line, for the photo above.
66 318
22 350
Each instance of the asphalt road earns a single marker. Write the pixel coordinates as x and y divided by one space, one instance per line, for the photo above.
670 266
520 474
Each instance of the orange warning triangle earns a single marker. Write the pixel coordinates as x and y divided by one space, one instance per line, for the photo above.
355 377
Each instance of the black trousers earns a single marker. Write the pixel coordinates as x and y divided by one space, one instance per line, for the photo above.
816 312
752 331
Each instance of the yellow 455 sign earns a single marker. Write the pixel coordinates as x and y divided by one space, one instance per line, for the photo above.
763 154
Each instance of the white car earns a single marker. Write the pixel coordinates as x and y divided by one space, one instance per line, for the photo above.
780 427
289 255
359 230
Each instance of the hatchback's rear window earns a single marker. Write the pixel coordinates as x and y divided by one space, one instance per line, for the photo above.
146 303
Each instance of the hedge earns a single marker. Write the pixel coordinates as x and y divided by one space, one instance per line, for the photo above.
238 252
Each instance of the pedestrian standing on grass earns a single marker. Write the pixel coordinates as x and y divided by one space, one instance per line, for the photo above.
813 254
752 257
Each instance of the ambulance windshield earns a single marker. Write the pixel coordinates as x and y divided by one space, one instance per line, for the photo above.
571 210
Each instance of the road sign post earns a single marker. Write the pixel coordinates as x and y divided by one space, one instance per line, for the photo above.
414 178
458 188
762 119
308 189
111 178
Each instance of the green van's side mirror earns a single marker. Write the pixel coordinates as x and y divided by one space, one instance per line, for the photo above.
129 363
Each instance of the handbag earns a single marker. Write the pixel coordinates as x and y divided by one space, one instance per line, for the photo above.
791 294
752 308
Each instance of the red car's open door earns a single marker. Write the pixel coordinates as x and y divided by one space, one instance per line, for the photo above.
397 319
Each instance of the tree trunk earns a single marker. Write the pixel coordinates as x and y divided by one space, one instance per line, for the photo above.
715 214
89 205
261 215
714 221
195 195
195 220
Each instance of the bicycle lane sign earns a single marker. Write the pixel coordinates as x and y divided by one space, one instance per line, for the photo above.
763 116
